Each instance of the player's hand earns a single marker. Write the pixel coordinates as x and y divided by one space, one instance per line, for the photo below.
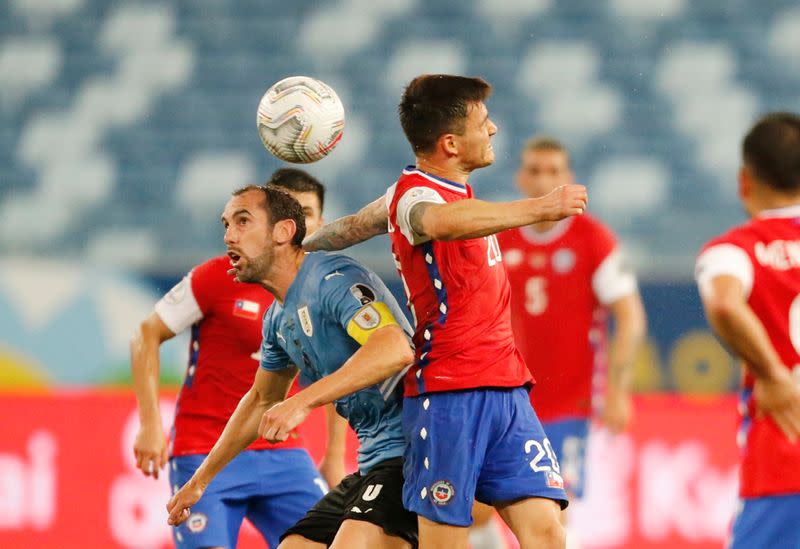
282 418
563 201
779 398
179 506
332 470
150 449
616 413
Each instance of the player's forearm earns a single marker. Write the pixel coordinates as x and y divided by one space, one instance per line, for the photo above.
629 332
239 433
370 221
145 368
740 329
385 354
474 218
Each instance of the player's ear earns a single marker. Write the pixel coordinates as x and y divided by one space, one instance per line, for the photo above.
283 231
745 182
448 143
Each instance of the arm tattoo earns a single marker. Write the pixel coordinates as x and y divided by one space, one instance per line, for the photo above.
371 220
415 217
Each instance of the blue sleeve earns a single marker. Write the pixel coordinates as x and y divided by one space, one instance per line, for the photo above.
273 357
346 289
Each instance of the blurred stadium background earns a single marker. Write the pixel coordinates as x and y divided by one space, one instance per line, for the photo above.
126 124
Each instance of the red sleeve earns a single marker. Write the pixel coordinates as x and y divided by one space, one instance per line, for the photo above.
205 278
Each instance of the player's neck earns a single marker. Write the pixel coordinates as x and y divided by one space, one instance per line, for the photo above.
283 272
771 200
443 169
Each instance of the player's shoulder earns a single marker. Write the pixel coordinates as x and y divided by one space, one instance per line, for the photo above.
414 178
216 267
740 235
591 226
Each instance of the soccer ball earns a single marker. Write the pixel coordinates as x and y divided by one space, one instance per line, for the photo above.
300 119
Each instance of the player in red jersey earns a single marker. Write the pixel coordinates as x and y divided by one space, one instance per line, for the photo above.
566 276
225 322
471 431
749 280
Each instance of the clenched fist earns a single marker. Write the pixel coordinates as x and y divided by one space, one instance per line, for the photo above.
563 201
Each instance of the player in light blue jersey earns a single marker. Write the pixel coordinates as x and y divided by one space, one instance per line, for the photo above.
338 323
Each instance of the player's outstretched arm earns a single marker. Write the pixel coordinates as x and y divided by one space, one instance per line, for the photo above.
630 326
150 446
474 218
737 325
384 354
371 220
269 387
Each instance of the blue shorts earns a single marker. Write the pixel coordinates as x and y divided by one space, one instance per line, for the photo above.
768 522
272 488
569 438
484 444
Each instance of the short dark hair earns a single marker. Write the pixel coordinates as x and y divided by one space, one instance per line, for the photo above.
772 151
435 104
280 205
546 143
299 181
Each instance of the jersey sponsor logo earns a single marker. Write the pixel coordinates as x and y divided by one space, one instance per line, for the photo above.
367 318
363 293
305 320
244 308
197 522
177 293
563 260
332 275
442 492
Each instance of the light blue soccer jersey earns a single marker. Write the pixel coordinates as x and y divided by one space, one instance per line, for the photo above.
309 330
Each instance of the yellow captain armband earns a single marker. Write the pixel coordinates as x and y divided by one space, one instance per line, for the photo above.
369 318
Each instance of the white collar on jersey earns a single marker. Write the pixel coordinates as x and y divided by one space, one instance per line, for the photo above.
545 237
785 212
441 181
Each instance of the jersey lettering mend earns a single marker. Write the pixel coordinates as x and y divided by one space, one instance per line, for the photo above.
771 244
561 281
459 295
225 321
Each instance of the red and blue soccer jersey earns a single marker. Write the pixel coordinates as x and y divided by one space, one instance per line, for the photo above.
764 255
561 282
225 320
458 293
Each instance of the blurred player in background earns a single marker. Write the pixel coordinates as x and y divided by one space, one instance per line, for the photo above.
337 322
272 484
749 280
565 277
471 430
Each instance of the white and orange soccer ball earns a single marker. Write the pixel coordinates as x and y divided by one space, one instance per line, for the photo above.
300 119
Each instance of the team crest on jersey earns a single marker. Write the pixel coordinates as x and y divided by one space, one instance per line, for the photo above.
197 522
305 320
537 260
442 492
367 318
563 260
363 293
